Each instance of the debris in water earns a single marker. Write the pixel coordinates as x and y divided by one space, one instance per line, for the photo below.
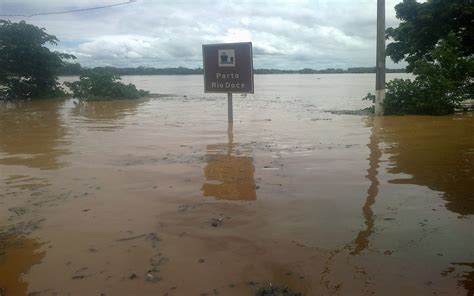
153 238
152 276
271 291
133 276
130 238
216 222
252 283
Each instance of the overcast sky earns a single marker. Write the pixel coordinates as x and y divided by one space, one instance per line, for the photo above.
286 34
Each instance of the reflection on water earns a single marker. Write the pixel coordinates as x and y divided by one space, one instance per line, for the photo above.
438 152
105 115
31 134
362 240
106 110
17 256
228 176
464 273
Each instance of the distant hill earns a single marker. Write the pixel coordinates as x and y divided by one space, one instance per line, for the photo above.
77 69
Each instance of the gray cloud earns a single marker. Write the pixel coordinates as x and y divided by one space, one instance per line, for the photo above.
286 34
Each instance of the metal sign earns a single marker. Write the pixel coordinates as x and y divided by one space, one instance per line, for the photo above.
228 67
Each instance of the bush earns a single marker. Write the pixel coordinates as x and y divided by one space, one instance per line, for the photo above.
103 85
404 96
442 82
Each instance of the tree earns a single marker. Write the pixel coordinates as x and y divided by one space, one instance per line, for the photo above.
440 85
424 25
70 69
103 85
27 66
436 40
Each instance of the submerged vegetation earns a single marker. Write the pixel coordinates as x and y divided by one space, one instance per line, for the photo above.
27 66
441 84
103 85
436 40
28 69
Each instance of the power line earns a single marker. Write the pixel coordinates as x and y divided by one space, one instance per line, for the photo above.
68 11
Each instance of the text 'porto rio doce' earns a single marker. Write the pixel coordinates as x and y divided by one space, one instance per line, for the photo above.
224 81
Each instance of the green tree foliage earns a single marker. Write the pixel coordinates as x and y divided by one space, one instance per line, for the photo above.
439 87
27 66
425 24
103 85
70 69
436 40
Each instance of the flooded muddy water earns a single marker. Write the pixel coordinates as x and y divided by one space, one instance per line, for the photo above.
161 197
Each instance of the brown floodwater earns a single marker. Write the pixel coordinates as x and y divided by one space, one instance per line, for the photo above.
161 197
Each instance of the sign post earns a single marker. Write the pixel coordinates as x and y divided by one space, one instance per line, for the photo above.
230 111
228 68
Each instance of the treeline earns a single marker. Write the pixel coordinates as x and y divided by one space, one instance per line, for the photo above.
77 69
325 71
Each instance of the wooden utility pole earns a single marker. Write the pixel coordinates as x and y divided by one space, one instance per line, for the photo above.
380 62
